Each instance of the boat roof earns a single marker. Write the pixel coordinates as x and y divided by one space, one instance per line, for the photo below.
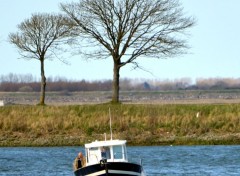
105 143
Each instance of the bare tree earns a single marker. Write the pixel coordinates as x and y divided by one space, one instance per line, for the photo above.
126 30
41 37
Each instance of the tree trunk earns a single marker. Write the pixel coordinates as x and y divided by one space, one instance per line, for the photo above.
115 84
43 84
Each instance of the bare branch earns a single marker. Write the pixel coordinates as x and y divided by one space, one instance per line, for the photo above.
39 33
131 28
125 30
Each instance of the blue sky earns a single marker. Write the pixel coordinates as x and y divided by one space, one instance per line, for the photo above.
214 45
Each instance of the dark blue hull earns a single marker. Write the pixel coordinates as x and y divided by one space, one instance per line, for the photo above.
111 168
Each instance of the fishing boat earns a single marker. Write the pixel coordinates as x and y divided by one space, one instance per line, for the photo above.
107 158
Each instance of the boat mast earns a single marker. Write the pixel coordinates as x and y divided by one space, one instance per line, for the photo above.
110 122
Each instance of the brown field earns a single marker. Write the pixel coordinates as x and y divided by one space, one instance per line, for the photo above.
133 97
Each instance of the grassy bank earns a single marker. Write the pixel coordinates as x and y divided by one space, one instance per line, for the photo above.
139 124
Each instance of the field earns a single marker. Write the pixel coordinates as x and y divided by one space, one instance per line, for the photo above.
144 118
144 97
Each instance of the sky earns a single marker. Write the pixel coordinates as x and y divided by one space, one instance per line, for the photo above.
214 42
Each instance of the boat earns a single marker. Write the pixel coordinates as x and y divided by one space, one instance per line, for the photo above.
107 158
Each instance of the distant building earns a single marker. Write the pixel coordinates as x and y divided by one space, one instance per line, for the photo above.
146 86
1 103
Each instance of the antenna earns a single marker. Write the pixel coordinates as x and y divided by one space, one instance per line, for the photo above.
105 136
110 122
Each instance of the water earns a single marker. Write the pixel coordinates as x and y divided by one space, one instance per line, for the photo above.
161 160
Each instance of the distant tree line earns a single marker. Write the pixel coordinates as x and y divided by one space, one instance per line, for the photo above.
29 83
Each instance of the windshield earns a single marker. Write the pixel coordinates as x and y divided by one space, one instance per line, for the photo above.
105 152
118 152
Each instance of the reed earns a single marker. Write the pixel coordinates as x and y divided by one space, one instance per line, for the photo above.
139 124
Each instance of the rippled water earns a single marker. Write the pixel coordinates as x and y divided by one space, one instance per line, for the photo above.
159 160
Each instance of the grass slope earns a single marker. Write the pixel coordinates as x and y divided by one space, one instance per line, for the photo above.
165 124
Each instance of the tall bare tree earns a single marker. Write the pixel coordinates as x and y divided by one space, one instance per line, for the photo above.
125 30
41 37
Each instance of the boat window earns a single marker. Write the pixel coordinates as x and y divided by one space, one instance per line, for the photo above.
105 152
117 151
125 152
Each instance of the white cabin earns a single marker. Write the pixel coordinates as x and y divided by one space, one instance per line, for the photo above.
112 150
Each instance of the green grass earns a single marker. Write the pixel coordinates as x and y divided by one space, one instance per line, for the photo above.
139 124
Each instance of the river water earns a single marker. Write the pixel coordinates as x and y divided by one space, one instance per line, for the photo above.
157 160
